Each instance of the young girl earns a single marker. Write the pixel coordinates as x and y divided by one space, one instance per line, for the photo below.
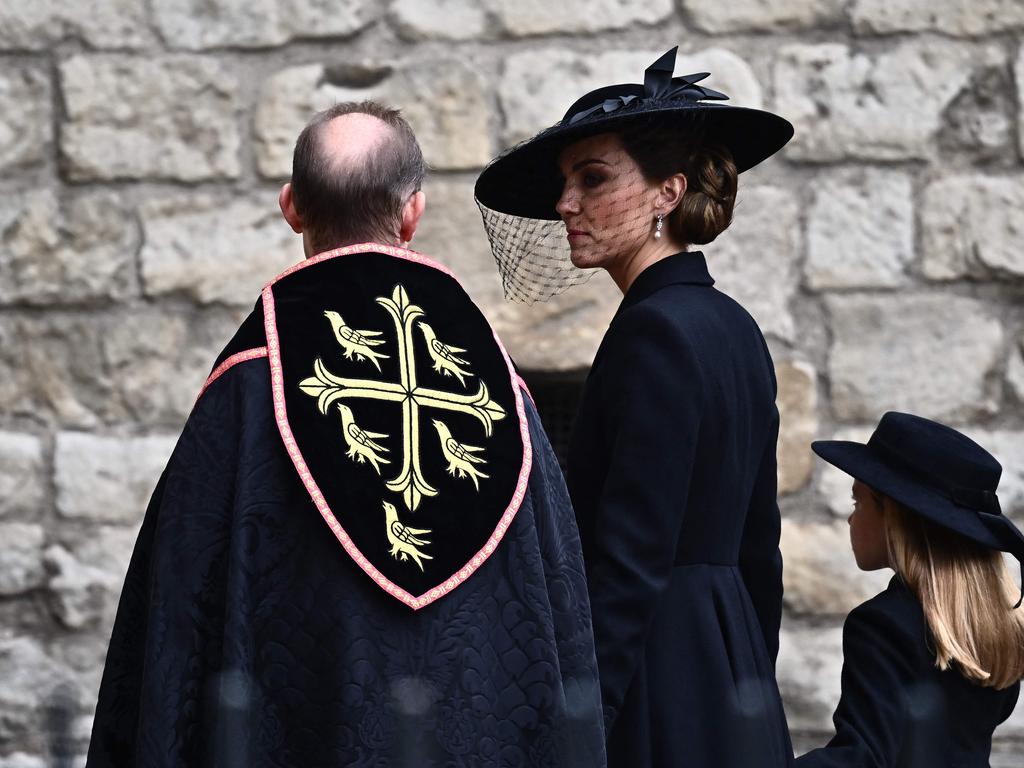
932 664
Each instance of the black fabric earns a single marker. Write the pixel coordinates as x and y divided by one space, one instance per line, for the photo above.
463 514
672 473
897 709
246 636
250 334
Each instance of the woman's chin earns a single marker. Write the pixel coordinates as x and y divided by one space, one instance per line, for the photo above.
582 258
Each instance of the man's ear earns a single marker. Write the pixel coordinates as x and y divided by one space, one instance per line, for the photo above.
288 209
411 213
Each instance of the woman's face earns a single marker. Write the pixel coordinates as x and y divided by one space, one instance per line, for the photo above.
867 529
607 204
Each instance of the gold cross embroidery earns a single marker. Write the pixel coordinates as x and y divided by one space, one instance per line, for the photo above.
328 389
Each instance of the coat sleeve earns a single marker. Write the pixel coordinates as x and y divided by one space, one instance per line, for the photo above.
162 663
887 717
651 408
760 558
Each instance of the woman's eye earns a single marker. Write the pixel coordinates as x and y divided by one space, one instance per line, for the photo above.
591 180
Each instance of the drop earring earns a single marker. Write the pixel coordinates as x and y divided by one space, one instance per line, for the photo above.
658 225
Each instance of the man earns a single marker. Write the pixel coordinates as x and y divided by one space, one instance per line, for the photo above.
361 551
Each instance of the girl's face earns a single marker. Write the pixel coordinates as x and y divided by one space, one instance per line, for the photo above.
867 529
607 204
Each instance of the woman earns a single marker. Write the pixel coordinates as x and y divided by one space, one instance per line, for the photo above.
672 463
932 664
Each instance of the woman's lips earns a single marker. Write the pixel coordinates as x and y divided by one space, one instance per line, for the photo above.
575 236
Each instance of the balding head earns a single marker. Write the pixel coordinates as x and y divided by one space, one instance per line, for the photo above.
356 166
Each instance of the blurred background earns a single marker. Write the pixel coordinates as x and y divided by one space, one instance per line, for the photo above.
143 142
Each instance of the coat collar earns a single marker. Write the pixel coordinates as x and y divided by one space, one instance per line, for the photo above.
687 267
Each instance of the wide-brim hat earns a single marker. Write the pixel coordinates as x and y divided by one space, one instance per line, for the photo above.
525 180
935 472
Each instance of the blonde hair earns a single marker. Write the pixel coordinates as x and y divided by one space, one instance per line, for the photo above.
967 594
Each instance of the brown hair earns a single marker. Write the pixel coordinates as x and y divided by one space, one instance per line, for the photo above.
711 178
363 201
966 592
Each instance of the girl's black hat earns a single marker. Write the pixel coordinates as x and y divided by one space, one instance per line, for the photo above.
525 181
935 472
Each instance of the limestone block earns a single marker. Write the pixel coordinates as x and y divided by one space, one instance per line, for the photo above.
22 480
215 249
443 19
108 479
25 109
1015 369
142 366
537 86
973 225
756 260
928 354
22 760
21 557
980 120
808 669
834 485
820 576
32 680
447 102
49 370
158 362
954 17
537 17
860 230
52 253
201 24
887 106
169 117
797 401
761 15
85 582
1018 78
37 26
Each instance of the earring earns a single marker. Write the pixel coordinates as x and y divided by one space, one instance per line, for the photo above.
658 225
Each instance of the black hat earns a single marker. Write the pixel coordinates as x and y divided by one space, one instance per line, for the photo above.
934 471
525 181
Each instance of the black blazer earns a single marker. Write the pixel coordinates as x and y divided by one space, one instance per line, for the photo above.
897 708
673 477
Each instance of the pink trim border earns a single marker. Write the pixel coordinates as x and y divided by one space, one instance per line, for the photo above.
239 357
281 416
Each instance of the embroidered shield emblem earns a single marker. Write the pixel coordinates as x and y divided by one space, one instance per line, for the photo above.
401 412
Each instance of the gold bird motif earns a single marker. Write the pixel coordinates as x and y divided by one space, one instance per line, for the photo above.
362 445
460 456
404 539
446 357
355 342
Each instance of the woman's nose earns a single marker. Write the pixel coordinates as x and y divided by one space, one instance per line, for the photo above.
568 203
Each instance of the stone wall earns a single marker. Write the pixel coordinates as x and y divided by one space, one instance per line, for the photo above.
142 143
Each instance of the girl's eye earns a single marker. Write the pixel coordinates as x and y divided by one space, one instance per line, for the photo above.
591 180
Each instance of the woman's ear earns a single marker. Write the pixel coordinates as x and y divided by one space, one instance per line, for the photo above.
670 193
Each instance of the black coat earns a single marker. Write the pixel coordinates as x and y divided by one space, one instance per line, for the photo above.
897 708
672 473
247 636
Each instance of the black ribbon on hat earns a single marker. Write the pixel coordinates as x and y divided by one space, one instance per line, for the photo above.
659 85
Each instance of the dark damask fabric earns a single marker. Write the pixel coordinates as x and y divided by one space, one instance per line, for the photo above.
246 636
